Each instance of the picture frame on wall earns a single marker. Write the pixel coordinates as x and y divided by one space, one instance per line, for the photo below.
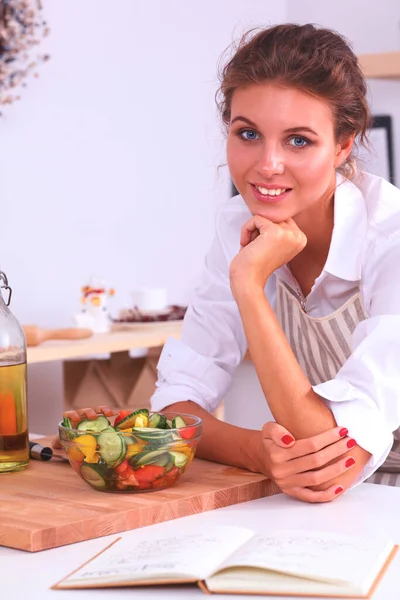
379 158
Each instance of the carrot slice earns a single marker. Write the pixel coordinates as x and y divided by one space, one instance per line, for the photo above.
8 414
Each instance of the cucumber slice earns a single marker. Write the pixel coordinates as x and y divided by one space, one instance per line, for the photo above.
129 421
112 448
158 421
108 429
169 423
178 422
150 434
157 457
129 439
94 425
179 459
90 473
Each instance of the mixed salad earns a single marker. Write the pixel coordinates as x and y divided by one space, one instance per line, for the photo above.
139 451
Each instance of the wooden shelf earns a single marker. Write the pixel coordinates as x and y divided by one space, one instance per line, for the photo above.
144 336
381 66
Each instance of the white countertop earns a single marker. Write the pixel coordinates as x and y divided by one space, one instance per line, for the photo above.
368 508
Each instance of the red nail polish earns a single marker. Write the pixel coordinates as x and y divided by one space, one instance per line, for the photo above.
349 462
351 443
343 432
287 439
338 490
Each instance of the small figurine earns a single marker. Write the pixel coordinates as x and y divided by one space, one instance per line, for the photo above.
94 311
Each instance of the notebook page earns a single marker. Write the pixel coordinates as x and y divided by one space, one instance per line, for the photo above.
323 556
249 579
190 554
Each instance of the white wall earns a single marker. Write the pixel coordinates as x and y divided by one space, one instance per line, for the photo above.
109 161
372 26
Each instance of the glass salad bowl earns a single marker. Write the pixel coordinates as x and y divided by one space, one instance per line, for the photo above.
135 451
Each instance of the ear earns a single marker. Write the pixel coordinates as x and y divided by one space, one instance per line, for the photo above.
343 150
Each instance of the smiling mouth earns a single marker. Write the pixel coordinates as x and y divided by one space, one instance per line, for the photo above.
271 191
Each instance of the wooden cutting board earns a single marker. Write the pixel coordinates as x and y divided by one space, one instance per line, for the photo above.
49 505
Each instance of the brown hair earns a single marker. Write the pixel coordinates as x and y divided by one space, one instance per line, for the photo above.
318 61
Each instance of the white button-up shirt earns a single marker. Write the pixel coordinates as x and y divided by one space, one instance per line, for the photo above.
364 255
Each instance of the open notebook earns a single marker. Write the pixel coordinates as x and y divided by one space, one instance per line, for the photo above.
237 560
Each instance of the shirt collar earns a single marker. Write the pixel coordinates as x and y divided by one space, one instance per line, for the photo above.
349 231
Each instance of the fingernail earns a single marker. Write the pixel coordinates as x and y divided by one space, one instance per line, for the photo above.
343 432
287 439
349 462
351 443
338 490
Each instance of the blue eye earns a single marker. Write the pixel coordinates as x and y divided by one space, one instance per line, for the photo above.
248 135
299 141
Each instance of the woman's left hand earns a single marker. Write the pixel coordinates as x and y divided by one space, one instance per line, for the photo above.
265 246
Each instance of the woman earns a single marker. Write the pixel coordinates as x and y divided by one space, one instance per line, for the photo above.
304 272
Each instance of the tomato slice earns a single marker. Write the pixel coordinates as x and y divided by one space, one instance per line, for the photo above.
166 480
122 469
148 473
187 433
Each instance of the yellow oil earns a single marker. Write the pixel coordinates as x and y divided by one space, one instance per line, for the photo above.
14 448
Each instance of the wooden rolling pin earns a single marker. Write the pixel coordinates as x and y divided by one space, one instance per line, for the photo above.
36 335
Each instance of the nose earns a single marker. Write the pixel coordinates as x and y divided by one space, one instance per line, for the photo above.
271 160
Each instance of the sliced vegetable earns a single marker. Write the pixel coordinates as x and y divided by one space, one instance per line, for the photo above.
121 415
178 422
112 447
129 421
94 425
182 447
134 449
158 421
122 468
141 421
148 473
66 422
157 457
87 444
75 453
166 480
92 475
149 434
179 458
187 433
127 480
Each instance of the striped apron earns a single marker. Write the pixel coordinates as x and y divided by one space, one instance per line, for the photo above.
321 346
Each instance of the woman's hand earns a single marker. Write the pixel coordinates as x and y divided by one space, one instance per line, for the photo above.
265 246
295 466
83 413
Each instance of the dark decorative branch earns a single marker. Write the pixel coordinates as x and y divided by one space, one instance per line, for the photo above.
21 29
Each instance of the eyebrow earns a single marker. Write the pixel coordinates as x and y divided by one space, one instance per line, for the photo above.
239 118
290 130
299 129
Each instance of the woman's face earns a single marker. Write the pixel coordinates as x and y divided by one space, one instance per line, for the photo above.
282 152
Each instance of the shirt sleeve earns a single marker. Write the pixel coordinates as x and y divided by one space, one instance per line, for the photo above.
365 394
200 366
